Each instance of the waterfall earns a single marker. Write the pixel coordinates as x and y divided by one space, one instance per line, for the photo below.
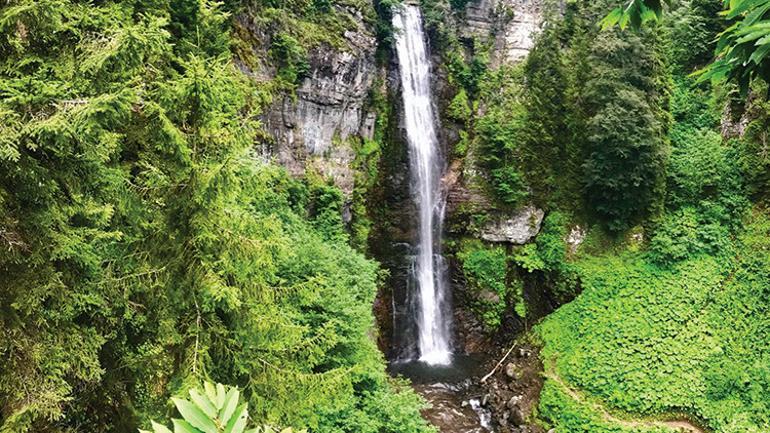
425 164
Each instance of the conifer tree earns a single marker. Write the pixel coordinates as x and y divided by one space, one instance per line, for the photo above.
625 107
143 246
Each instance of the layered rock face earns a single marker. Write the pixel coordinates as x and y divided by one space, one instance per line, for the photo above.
313 129
521 22
512 23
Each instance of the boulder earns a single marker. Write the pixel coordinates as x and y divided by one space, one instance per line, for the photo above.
513 403
517 229
517 416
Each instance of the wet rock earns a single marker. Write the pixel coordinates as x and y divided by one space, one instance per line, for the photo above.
512 371
513 403
517 416
518 228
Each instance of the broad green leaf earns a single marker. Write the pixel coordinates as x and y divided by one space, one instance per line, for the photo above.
211 391
238 422
220 395
159 428
182 426
760 53
231 402
612 18
195 416
623 23
203 403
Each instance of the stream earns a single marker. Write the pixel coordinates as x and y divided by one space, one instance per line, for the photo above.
456 399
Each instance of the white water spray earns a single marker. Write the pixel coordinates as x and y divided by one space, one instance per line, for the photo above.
433 321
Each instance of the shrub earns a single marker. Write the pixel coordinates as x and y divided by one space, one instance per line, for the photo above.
291 58
484 268
548 256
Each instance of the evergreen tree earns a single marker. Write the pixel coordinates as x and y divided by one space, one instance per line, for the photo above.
144 247
624 101
546 132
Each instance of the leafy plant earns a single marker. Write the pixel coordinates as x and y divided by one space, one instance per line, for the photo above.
634 12
485 269
741 53
215 409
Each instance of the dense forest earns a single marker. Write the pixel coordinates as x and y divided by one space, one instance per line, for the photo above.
160 258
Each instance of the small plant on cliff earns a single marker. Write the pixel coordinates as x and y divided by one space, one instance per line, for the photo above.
291 58
485 268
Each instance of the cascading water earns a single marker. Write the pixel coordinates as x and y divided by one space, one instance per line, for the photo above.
428 275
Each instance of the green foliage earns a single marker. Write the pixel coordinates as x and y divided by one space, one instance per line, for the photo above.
217 409
499 132
699 329
549 161
742 49
367 161
635 12
484 268
383 26
460 108
741 53
700 168
693 26
561 409
145 246
704 193
625 130
291 58
593 140
548 256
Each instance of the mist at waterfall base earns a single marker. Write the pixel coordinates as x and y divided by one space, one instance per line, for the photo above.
428 274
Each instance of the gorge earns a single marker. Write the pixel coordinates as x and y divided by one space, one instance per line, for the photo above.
384 216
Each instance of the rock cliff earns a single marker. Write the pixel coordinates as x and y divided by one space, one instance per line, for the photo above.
314 127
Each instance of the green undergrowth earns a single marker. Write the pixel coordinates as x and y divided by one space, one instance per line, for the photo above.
690 338
484 268
570 415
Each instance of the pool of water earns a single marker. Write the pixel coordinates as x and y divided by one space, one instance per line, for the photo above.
456 399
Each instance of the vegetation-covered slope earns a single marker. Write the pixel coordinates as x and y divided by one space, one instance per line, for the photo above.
690 340
145 246
606 130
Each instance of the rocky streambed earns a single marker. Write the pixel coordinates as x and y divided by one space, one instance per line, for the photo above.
461 403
